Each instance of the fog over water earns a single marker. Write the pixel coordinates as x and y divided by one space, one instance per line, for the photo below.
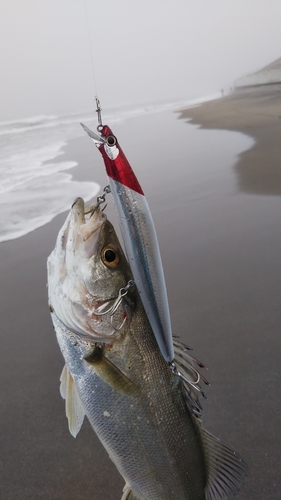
142 51
140 57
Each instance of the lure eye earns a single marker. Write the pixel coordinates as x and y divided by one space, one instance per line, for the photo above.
110 257
111 140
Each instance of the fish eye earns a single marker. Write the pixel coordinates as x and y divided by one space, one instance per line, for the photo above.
111 140
110 257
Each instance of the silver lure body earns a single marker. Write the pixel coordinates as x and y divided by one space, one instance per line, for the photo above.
139 236
143 253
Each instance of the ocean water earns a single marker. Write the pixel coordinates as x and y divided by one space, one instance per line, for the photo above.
36 184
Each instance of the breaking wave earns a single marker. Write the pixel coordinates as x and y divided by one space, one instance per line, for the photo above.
36 183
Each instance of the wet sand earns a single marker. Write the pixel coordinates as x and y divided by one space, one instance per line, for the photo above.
221 254
256 112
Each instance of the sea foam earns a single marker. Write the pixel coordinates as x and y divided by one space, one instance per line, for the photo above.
35 181
34 184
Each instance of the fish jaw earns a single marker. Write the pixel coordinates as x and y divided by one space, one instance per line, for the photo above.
80 287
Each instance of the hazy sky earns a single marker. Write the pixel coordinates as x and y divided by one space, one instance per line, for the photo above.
143 50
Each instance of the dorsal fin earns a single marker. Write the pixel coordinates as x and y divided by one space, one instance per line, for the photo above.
74 409
226 469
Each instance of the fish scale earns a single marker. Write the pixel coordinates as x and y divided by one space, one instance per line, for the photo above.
134 428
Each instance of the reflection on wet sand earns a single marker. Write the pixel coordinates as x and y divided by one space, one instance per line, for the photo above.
256 112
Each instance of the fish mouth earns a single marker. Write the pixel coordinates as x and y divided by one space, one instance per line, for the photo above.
82 229
76 243
79 234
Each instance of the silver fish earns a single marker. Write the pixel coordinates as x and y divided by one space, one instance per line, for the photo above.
146 416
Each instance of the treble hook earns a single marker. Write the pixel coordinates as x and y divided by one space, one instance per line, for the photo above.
98 111
193 384
91 209
112 310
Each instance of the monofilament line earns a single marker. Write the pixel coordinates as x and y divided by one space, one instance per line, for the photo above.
90 45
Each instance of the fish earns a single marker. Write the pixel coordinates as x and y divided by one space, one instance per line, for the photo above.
139 236
147 416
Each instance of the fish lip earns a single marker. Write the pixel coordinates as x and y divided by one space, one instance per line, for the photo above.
76 201
85 223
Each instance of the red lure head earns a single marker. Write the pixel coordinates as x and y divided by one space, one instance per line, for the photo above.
105 131
116 163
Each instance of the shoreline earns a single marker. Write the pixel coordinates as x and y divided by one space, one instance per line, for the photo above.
220 251
256 113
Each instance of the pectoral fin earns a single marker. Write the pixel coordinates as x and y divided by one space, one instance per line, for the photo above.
129 494
73 407
110 373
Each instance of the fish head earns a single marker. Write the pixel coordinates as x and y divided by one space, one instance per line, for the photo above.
86 272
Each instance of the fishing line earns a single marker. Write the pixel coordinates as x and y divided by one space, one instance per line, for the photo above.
91 51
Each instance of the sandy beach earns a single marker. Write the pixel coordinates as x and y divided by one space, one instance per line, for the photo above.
218 226
256 112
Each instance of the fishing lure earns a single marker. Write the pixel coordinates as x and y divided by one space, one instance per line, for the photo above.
139 235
